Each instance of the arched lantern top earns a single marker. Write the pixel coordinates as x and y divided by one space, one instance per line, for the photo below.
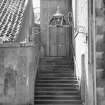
59 19
58 13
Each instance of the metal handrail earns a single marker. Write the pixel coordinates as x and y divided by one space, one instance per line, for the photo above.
76 31
79 31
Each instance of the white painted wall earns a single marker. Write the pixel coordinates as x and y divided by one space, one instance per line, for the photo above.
36 3
36 6
74 9
81 46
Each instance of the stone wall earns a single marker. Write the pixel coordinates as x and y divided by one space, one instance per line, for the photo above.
18 66
100 52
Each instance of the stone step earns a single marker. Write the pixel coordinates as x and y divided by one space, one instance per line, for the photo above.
54 88
56 62
57 93
56 74
57 81
62 97
58 101
55 66
58 78
54 59
59 104
57 85
55 71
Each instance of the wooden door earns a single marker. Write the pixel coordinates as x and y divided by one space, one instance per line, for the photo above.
60 41
47 9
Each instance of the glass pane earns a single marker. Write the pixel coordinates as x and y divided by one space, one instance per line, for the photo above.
36 8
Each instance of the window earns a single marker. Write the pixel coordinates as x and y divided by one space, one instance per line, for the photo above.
36 9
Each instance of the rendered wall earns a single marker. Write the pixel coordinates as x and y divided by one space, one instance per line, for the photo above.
18 66
80 12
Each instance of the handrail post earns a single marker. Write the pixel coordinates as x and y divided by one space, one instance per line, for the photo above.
83 78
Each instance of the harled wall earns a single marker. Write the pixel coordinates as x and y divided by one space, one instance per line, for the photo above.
84 74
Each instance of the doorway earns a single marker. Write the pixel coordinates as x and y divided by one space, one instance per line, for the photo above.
56 42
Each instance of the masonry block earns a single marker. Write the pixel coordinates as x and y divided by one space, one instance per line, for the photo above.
100 29
100 95
100 21
19 67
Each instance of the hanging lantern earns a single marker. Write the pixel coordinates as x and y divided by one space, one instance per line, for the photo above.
59 19
60 34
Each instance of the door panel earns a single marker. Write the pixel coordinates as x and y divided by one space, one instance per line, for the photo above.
52 42
59 41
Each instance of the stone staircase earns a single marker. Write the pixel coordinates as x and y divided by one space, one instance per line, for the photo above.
55 83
